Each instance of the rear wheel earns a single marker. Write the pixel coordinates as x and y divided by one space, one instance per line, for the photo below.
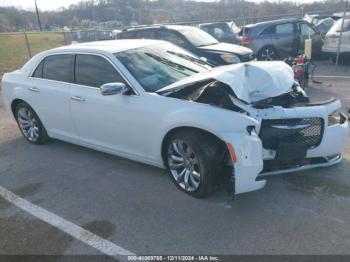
268 53
30 125
193 162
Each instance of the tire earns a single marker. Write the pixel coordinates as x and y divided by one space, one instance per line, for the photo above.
201 162
268 53
30 125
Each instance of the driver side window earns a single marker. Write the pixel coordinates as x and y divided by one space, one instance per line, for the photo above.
94 71
306 30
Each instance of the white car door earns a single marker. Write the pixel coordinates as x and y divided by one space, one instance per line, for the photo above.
48 94
107 123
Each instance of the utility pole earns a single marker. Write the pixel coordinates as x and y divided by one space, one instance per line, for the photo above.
341 33
37 15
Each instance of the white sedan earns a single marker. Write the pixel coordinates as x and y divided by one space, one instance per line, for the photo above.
153 102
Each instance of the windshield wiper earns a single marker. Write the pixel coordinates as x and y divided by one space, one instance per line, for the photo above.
191 58
177 67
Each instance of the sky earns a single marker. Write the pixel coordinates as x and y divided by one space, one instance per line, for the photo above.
55 4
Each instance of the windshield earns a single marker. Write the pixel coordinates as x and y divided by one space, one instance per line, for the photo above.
157 66
198 37
337 26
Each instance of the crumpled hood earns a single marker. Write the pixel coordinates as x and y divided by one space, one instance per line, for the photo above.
251 82
227 48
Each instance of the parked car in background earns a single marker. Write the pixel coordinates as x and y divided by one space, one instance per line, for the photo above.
324 25
330 47
194 40
115 32
280 38
153 102
221 31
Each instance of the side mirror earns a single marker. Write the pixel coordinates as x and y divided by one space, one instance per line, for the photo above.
204 59
113 89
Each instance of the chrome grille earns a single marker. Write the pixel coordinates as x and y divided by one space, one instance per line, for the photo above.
306 132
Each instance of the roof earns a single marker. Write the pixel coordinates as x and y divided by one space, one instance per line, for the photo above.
111 46
213 23
274 22
173 27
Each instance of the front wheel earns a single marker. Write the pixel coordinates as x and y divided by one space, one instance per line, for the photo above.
30 125
193 163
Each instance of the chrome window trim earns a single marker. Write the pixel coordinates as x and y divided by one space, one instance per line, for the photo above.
30 76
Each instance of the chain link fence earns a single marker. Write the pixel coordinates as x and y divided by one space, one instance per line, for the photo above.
17 48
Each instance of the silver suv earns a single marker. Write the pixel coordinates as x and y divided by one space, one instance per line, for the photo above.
280 38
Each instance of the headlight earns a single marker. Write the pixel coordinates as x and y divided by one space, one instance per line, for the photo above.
336 118
230 59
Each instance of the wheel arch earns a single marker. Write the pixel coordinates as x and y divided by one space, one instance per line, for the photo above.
200 131
14 104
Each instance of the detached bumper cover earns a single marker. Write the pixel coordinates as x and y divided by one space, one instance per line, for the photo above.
248 151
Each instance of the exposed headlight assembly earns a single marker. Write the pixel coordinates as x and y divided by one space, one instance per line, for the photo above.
336 118
230 58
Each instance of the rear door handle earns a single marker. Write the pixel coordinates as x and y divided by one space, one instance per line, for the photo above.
78 98
34 89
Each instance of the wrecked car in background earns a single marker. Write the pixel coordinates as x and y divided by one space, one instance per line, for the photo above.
331 43
153 102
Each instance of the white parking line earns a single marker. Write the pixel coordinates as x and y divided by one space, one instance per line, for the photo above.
103 245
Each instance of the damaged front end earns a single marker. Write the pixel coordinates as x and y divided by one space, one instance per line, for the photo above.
292 133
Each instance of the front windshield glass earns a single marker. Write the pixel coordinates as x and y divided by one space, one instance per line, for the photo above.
337 26
198 37
157 66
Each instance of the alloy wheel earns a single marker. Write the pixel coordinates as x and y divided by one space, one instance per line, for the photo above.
268 54
184 165
28 124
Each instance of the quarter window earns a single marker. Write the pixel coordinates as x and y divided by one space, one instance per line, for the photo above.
57 67
94 71
38 73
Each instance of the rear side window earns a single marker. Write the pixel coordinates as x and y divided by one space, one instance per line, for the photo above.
285 28
147 34
94 71
57 67
269 31
127 35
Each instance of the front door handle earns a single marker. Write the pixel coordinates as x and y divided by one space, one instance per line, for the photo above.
78 98
34 89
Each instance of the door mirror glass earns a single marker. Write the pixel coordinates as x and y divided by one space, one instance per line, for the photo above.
113 89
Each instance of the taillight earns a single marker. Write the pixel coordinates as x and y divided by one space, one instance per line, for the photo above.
247 40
